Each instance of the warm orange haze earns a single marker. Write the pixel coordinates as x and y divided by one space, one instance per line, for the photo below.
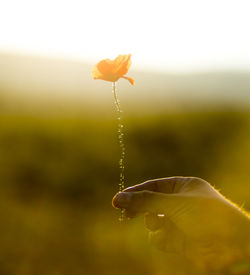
64 154
59 159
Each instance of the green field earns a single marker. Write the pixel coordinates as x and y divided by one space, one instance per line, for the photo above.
59 173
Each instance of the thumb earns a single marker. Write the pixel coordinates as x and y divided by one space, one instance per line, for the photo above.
148 201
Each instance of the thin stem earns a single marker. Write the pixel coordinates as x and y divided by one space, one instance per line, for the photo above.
121 144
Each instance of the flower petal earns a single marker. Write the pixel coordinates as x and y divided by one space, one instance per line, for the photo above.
125 66
112 70
130 79
122 64
106 66
96 74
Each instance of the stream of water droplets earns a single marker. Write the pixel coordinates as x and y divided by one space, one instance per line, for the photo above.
121 144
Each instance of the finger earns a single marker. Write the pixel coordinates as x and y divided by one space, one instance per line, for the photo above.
168 238
153 222
158 239
121 200
147 201
130 214
163 185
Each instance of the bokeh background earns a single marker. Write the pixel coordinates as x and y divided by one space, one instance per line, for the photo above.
59 150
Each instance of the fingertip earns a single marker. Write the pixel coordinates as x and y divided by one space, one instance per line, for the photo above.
121 200
114 202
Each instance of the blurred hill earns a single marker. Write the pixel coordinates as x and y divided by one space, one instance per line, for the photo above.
47 79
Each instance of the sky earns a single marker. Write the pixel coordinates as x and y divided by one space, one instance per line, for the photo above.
176 36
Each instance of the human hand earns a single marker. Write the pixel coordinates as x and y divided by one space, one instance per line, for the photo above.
188 216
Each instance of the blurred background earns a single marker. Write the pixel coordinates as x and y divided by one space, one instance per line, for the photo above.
187 115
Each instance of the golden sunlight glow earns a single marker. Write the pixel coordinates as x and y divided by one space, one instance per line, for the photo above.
175 35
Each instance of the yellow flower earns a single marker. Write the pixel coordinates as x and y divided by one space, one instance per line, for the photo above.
113 70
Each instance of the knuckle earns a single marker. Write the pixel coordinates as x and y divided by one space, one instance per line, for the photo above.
194 182
147 181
